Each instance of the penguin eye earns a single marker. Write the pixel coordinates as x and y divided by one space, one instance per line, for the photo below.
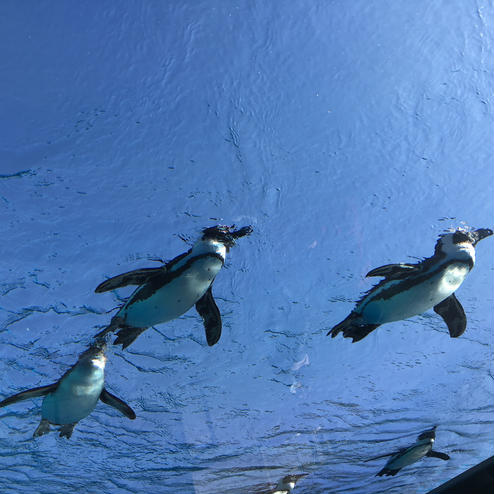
460 237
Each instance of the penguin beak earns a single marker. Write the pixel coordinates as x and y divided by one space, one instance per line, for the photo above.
481 233
232 236
241 232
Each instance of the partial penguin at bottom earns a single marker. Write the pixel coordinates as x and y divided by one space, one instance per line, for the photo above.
75 395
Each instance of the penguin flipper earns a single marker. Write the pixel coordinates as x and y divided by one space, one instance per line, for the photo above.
392 270
115 402
453 315
388 472
351 329
127 335
135 277
30 393
208 310
437 454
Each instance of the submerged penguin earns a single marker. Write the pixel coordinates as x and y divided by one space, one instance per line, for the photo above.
169 291
407 456
285 485
75 395
411 289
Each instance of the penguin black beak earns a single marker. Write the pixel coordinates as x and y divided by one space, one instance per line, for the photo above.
480 234
233 235
241 232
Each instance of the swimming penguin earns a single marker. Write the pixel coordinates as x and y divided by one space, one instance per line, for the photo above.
75 395
169 291
411 289
285 485
407 456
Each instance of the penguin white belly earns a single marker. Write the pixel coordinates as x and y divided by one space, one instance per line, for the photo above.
416 299
175 298
75 397
410 457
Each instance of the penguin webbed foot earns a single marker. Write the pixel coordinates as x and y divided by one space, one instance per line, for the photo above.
127 335
43 428
352 329
66 430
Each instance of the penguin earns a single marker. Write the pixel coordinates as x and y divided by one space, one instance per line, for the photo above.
411 289
285 485
168 291
407 456
74 396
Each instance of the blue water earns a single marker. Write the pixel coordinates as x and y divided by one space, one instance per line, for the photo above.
349 134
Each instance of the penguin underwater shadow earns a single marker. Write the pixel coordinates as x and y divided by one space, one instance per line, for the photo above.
411 289
169 291
75 395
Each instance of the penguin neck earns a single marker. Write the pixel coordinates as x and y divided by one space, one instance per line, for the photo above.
209 247
463 252
90 370
99 362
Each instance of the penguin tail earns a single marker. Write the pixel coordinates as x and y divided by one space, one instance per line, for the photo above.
351 328
127 335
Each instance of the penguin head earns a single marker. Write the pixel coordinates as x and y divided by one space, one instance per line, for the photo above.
295 477
95 354
225 234
461 241
477 235
291 479
429 434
